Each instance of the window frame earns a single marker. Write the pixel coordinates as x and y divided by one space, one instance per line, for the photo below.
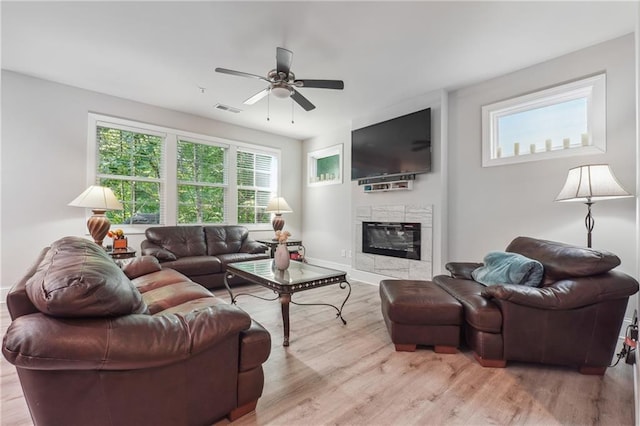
169 189
273 188
592 88
312 166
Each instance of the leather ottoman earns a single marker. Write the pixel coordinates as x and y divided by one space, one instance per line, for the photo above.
420 313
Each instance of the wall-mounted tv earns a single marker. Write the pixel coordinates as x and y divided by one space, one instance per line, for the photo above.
397 146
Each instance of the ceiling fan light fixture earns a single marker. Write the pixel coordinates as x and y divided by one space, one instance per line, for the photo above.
281 92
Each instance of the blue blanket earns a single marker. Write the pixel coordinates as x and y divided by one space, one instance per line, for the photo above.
509 268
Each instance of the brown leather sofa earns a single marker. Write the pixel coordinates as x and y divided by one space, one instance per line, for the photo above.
97 344
572 319
202 252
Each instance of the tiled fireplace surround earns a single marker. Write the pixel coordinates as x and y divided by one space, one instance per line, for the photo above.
393 266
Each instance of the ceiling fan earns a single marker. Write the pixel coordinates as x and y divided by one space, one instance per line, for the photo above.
283 83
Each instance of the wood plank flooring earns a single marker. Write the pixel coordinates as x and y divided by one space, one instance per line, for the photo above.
335 374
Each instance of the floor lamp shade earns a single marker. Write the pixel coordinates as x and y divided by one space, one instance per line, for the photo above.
588 184
278 206
99 199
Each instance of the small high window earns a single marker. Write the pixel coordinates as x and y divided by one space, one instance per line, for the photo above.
562 121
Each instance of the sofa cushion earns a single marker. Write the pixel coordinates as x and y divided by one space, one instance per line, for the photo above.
224 239
182 241
138 266
76 278
508 268
480 312
225 259
195 265
563 261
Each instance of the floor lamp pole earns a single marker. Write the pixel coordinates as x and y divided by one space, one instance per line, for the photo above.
589 222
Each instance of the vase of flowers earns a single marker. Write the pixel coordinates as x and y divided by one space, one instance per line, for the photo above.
281 257
119 240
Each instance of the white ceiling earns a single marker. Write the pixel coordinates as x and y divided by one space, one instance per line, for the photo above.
160 53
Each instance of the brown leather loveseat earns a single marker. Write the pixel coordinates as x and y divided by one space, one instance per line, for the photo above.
572 318
202 252
98 344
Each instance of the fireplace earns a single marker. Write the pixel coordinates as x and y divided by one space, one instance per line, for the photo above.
395 239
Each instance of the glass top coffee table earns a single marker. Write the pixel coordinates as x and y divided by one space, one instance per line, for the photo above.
298 277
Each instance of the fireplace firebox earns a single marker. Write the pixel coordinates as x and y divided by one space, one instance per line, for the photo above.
395 239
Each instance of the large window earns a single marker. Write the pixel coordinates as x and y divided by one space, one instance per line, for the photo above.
255 186
565 120
168 177
130 163
202 178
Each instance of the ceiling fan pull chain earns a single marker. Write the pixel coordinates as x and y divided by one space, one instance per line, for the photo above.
268 103
292 111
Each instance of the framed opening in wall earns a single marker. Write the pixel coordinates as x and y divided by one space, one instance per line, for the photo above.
324 167
561 121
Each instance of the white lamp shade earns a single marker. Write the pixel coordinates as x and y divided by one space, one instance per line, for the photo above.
278 205
98 198
591 183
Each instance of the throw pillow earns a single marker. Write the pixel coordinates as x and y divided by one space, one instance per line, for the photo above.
509 268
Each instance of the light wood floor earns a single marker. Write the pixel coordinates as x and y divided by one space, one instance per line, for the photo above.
334 374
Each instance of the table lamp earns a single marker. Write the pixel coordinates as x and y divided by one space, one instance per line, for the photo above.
588 184
99 199
278 206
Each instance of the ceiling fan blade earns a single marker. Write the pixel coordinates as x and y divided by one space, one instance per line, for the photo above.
255 98
302 101
283 60
241 74
321 84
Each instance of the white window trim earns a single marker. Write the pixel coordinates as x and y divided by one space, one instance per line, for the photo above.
312 163
594 88
169 186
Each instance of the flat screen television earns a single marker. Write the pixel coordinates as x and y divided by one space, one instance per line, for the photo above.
397 146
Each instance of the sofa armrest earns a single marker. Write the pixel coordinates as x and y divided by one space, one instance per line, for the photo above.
150 249
253 247
567 294
462 269
41 342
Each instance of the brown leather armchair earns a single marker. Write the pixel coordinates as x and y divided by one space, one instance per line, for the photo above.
96 344
573 318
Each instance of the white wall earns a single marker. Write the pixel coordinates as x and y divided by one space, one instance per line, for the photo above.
44 144
329 211
488 207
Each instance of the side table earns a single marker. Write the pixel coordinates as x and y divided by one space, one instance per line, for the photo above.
273 244
124 253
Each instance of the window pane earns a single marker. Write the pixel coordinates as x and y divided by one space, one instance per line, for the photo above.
127 153
245 177
201 163
200 204
555 123
140 201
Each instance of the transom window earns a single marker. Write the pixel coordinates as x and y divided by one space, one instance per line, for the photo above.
168 177
564 120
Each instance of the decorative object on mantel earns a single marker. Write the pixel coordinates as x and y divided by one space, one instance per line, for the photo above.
99 199
278 206
588 184
119 240
281 257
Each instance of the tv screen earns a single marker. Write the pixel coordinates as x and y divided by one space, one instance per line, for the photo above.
396 146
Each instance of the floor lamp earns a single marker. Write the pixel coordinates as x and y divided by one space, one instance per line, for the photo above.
588 184
99 199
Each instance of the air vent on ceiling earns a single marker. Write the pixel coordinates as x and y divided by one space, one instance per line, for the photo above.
227 108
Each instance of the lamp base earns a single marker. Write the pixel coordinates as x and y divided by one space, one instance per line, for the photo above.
98 226
277 222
